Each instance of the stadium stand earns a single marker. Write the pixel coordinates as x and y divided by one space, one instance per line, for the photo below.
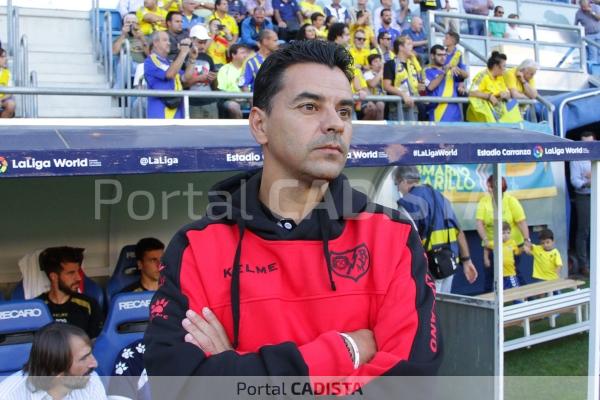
19 320
126 322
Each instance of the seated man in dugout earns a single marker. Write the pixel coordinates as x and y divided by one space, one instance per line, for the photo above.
60 366
62 265
148 252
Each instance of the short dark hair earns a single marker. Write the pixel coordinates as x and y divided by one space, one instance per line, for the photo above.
506 226
335 31
329 18
218 2
582 134
384 10
495 59
269 79
51 354
380 35
147 244
546 234
455 36
52 258
490 181
434 48
233 49
170 15
315 15
373 57
497 8
2 52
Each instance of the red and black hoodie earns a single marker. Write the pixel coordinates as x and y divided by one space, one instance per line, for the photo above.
283 296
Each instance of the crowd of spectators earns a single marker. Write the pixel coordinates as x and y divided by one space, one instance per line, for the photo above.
389 47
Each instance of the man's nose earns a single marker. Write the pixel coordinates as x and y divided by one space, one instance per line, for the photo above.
332 123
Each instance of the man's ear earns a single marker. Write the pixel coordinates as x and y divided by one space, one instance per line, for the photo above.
53 277
258 121
139 265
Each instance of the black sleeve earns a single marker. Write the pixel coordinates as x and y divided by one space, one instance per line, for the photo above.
389 70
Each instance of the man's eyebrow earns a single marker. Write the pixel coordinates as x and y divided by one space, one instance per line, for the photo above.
317 97
86 355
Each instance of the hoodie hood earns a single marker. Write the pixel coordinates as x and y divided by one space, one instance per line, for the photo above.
236 200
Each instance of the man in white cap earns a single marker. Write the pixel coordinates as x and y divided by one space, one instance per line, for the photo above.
204 75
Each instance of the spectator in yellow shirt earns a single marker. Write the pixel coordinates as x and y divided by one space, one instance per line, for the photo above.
228 78
308 8
170 5
231 29
509 251
489 98
521 83
151 18
546 258
217 50
318 21
359 50
7 103
363 22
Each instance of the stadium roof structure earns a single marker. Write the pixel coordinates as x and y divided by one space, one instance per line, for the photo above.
53 148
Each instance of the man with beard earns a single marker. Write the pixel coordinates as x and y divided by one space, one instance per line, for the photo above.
62 265
60 366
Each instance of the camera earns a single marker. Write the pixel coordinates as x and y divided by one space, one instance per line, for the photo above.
220 27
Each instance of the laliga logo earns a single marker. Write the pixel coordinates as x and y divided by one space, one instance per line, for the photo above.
538 151
3 165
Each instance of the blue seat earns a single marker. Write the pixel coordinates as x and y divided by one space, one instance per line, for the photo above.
18 321
126 322
91 289
125 273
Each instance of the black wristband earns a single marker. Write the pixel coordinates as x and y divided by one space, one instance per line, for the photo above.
465 259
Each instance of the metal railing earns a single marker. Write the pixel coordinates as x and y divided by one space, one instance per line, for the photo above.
125 69
95 24
33 99
186 95
535 43
13 35
107 56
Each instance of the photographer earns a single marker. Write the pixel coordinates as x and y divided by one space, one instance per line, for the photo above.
162 74
139 47
203 76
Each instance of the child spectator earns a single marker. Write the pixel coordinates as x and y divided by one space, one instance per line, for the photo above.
509 251
546 258
7 103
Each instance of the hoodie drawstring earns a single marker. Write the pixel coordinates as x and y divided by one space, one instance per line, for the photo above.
324 224
235 285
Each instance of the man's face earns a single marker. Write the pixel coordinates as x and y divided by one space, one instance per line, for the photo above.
499 12
344 39
188 6
270 42
335 2
376 65
386 18
506 235
83 364
150 4
223 6
240 55
585 6
308 131
162 44
439 58
547 244
587 138
200 45
448 41
386 41
319 21
176 24
259 16
405 185
360 39
417 24
69 278
403 4
149 264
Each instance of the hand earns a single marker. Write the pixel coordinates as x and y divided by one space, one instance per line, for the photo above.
409 101
211 77
125 30
486 262
205 332
470 271
366 344
362 94
421 87
493 100
185 44
282 24
505 95
137 32
462 90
